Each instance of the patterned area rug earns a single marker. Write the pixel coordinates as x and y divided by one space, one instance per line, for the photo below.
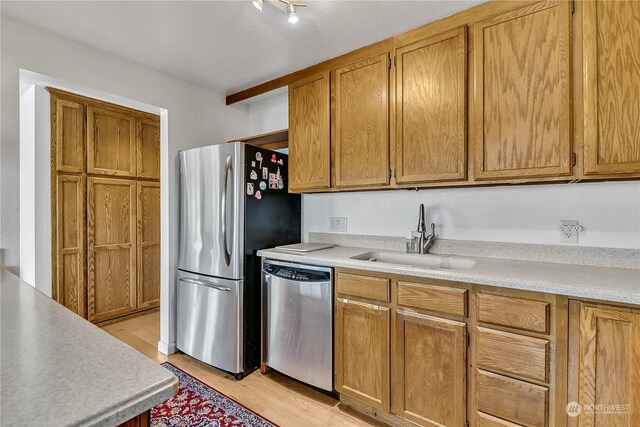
198 405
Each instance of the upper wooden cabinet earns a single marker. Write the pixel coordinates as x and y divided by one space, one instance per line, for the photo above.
611 87
605 359
430 370
111 228
148 148
522 93
67 121
431 109
309 140
111 142
360 123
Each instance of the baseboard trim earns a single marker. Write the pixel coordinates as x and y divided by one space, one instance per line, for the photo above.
167 349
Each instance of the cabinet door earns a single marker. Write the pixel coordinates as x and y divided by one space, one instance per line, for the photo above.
111 142
431 109
362 352
148 244
522 98
611 81
111 228
608 366
429 378
309 141
69 262
360 123
148 148
68 125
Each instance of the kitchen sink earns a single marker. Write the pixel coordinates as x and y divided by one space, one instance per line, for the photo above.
417 260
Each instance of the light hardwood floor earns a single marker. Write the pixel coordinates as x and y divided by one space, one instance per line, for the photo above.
274 396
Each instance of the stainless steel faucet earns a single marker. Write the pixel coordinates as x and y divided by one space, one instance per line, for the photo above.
426 242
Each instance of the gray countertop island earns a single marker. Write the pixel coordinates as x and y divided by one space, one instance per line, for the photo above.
57 369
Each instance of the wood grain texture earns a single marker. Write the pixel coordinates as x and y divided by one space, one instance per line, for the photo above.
67 123
148 149
486 420
513 354
362 352
142 420
111 142
369 287
511 399
70 246
608 366
148 221
522 93
611 92
111 229
429 377
432 298
309 134
527 315
360 122
431 108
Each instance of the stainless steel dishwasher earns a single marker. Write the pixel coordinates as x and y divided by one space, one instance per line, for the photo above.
298 321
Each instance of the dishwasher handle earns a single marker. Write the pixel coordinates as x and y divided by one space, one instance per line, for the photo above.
297 273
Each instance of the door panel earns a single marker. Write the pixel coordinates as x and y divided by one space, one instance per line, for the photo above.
360 125
68 122
112 247
431 109
362 352
209 319
69 289
111 142
608 365
212 210
309 129
148 244
522 105
429 376
611 87
148 148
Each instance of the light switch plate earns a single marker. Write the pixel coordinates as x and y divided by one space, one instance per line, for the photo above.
570 230
338 224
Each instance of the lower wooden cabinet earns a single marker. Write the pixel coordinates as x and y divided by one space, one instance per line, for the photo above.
604 371
362 352
429 376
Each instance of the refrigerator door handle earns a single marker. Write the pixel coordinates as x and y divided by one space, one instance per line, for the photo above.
227 168
206 283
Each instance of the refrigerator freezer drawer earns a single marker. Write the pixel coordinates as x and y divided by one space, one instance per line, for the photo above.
209 326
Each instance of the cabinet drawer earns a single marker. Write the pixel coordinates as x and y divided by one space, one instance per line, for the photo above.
434 298
517 313
512 399
376 288
515 354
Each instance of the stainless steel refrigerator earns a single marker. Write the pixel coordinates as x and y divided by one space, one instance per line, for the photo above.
234 201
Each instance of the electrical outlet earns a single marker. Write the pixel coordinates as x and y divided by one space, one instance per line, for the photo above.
570 230
338 224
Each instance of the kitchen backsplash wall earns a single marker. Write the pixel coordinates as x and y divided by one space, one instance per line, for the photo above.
609 212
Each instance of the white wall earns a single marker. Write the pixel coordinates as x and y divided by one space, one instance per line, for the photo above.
269 114
191 116
609 212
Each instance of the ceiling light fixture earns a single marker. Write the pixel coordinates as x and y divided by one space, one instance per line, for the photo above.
291 10
259 4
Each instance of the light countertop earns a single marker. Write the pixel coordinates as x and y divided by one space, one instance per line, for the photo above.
602 283
59 369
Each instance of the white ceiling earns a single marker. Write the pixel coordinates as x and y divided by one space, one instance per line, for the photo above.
226 46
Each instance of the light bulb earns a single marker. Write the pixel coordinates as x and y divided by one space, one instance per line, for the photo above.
291 10
259 4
